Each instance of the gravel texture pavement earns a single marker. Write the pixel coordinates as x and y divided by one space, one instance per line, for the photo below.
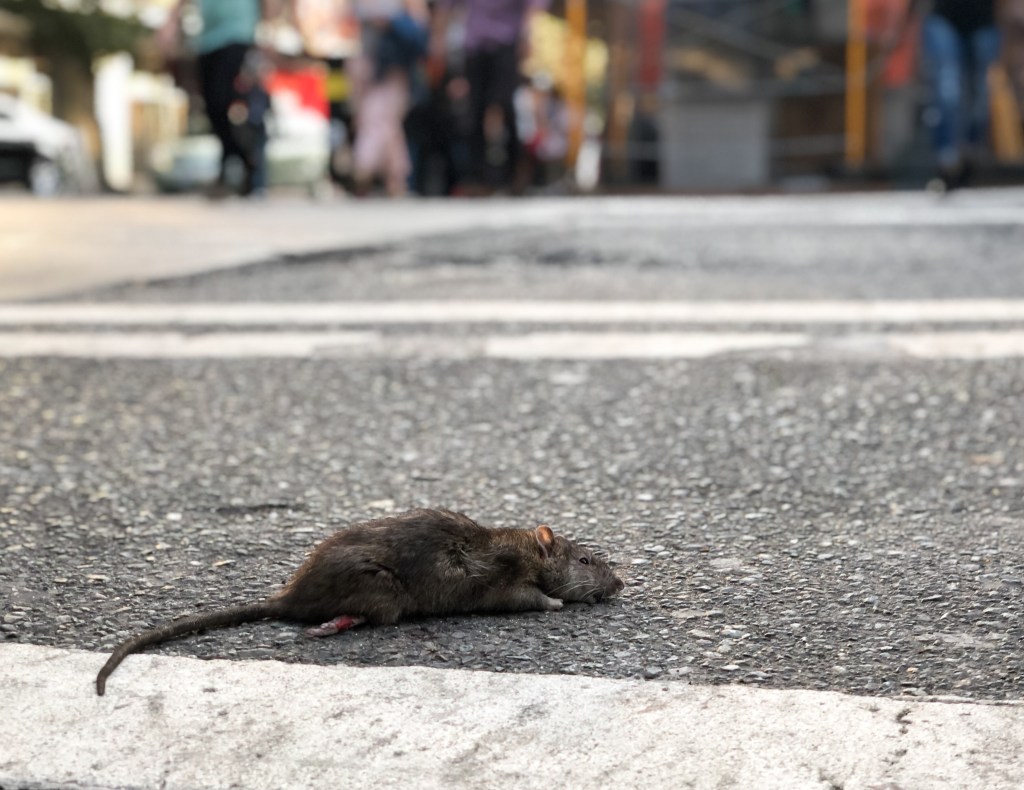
853 527
816 523
630 258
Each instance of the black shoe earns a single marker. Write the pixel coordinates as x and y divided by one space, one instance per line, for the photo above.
955 177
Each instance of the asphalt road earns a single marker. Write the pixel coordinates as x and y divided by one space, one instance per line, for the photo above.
844 521
638 256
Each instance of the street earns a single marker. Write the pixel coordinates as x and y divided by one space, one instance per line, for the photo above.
795 424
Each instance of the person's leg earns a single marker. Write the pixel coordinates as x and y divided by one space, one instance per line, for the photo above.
214 103
218 71
944 57
984 52
371 133
1011 24
251 135
398 164
506 79
381 148
478 76
256 162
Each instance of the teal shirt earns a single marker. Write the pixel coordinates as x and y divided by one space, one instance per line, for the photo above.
227 22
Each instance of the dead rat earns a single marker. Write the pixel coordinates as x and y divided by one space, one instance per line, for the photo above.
418 564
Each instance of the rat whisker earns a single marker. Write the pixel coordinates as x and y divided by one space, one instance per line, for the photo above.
561 589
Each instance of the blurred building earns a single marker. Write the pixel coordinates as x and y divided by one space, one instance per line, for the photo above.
696 95
755 94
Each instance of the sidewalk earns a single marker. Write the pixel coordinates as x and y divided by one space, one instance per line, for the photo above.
177 723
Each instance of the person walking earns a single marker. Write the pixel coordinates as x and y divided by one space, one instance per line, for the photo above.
960 42
497 40
1010 16
330 33
230 84
394 35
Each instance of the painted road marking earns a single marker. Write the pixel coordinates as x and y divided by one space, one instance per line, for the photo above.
959 345
177 345
528 346
946 311
635 345
682 345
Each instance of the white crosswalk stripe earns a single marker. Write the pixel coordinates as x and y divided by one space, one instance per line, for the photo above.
178 345
565 345
945 311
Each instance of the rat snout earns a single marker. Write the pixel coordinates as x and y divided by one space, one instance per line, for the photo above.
612 587
606 590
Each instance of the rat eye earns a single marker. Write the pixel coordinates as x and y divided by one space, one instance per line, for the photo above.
584 560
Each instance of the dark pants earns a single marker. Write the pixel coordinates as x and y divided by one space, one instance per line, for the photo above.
493 75
958 64
218 79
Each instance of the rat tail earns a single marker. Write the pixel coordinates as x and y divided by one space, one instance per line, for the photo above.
220 618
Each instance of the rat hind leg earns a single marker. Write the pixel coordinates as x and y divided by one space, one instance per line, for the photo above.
335 626
372 596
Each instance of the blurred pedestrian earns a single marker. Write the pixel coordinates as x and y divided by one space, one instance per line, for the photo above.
436 129
497 41
1011 26
394 34
960 43
542 119
230 82
330 33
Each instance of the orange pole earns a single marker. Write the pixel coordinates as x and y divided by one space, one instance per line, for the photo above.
856 85
575 77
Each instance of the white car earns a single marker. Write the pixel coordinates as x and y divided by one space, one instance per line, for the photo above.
43 153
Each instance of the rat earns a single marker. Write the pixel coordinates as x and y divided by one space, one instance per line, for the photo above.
421 563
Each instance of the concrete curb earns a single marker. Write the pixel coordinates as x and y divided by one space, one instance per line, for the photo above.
183 723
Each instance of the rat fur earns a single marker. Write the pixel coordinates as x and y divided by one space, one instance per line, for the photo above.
418 564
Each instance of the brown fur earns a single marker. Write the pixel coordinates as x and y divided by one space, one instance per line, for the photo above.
419 564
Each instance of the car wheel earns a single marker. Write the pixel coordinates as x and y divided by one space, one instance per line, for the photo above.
45 178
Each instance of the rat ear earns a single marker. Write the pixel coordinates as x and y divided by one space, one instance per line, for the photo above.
545 538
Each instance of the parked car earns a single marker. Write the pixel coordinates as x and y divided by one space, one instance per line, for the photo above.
39 151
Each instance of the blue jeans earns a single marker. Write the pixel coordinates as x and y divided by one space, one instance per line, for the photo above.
954 62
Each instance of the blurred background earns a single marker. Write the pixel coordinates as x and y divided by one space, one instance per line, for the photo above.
617 96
